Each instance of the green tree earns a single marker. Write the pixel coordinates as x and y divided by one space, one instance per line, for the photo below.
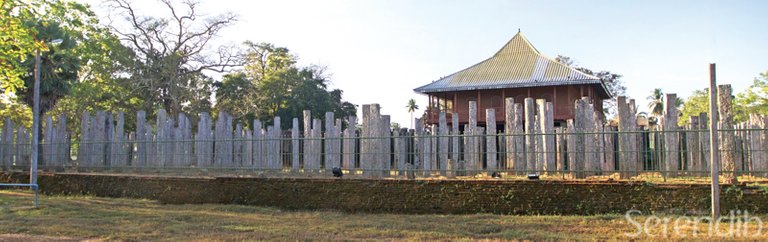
17 41
171 52
612 82
656 103
272 85
412 107
754 99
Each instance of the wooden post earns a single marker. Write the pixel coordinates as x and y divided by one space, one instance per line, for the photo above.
714 156
490 140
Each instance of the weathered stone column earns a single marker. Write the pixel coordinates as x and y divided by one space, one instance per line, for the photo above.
350 143
727 145
471 152
295 166
530 136
671 136
442 160
490 140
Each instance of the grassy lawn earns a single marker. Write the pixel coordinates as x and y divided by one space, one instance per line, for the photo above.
78 218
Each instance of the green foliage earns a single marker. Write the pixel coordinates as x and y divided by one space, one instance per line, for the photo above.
272 85
753 100
171 51
656 104
18 112
696 103
612 82
17 41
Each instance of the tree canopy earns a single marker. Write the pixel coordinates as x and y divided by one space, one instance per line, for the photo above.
271 84
139 62
612 82
753 100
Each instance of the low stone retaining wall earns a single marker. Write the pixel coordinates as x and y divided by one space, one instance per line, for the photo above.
409 196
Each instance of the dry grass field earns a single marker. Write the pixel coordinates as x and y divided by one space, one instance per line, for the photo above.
95 218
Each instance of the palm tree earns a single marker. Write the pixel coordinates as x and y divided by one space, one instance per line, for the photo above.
412 107
656 105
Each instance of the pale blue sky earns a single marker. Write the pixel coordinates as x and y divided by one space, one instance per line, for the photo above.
378 51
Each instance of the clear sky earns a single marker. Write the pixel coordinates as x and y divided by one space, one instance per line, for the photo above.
379 51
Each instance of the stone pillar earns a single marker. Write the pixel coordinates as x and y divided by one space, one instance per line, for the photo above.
530 137
471 152
727 139
671 136
490 141
295 145
442 160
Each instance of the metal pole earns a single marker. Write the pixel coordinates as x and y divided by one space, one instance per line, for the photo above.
714 153
35 122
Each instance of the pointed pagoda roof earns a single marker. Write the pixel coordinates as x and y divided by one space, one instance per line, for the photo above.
517 64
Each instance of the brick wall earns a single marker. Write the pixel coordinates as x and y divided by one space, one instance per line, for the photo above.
408 196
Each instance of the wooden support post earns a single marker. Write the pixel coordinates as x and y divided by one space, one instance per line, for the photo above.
714 158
